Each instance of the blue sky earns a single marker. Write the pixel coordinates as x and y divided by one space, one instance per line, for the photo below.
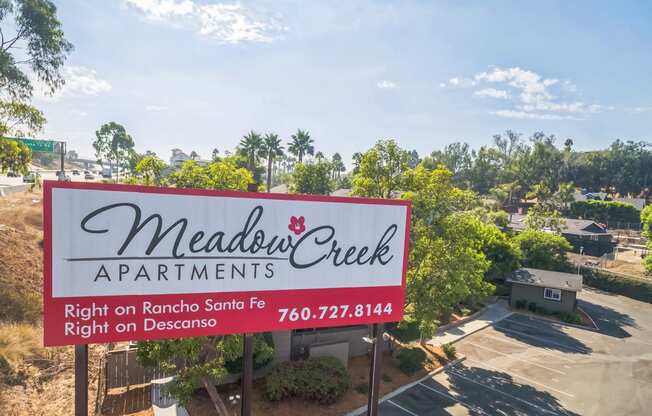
199 74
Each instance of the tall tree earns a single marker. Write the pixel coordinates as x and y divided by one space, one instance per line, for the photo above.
272 149
301 145
381 170
113 144
150 167
312 178
251 145
338 165
215 155
40 39
446 264
31 39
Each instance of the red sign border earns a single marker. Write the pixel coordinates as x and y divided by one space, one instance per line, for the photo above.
48 186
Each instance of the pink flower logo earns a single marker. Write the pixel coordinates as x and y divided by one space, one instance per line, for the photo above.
296 225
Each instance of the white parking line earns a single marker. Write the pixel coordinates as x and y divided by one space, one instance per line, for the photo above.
502 392
553 324
521 377
402 408
532 347
519 359
450 396
580 350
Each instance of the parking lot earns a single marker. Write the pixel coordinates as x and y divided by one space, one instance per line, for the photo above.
530 366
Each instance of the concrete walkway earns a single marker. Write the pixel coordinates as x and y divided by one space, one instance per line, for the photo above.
492 314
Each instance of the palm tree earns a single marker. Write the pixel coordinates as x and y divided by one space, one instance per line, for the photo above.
251 145
320 156
301 145
271 149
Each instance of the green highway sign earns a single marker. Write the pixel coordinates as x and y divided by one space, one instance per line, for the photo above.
46 146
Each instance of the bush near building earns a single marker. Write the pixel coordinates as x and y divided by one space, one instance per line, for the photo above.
605 211
410 360
637 289
323 380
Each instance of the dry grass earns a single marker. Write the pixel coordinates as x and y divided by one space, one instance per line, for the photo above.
34 380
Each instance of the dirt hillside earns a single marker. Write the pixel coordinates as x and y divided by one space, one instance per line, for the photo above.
33 380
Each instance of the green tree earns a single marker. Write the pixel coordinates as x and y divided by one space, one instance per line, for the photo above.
252 145
445 265
215 155
271 150
301 145
338 165
20 119
41 42
14 156
381 171
312 178
223 174
150 167
113 144
204 362
543 250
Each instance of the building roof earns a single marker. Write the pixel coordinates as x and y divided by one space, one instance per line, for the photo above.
547 278
570 225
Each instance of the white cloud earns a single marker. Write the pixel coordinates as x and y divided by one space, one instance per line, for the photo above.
79 81
535 95
639 110
527 115
227 22
163 9
384 84
533 87
458 82
493 93
156 108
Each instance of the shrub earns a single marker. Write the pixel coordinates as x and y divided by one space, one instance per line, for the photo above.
520 304
570 318
410 360
19 307
263 354
532 307
605 211
362 388
386 378
449 350
638 289
17 343
541 310
322 379
404 331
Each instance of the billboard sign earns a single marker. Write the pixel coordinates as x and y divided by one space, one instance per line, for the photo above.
128 262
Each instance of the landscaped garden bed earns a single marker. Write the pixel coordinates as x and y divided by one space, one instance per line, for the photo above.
580 317
395 373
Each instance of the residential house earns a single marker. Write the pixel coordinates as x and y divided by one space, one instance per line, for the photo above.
586 236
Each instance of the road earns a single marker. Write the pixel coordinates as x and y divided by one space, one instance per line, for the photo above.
531 366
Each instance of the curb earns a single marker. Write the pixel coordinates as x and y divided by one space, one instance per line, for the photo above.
560 323
361 410
461 337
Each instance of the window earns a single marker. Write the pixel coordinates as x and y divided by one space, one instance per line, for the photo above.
552 294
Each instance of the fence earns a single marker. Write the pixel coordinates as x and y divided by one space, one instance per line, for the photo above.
124 370
120 370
